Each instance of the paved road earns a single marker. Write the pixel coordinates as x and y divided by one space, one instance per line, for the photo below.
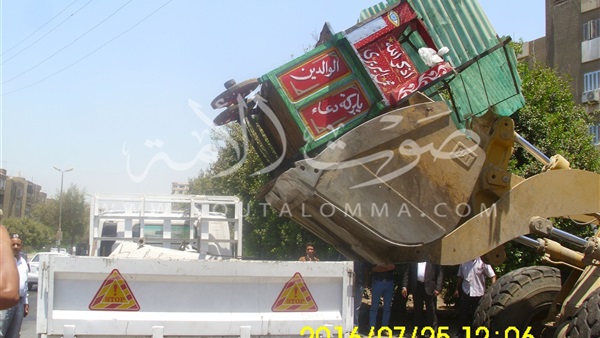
28 327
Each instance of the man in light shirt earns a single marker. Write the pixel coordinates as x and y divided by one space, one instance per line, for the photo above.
471 287
12 318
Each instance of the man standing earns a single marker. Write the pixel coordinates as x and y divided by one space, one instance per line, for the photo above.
382 284
471 287
361 276
424 282
12 318
310 254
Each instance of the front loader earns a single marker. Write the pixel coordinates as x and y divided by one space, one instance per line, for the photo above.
391 141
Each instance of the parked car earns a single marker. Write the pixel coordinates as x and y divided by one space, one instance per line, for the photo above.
32 275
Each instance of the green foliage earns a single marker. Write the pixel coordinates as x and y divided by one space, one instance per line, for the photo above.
75 216
47 214
267 234
555 125
552 122
35 235
450 281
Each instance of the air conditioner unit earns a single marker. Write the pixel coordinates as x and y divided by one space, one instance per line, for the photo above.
589 97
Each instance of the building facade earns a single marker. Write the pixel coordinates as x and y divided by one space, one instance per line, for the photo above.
18 196
572 46
180 188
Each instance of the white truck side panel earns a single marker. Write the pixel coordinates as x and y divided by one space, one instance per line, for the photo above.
190 298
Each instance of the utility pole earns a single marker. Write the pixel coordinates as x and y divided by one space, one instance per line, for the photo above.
59 232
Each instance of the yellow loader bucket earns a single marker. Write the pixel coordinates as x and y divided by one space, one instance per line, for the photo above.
399 180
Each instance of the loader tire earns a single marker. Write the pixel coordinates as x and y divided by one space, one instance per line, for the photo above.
519 299
586 322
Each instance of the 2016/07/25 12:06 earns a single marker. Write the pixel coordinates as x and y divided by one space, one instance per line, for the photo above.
442 332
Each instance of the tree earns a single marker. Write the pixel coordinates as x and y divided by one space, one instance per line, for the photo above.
552 122
267 235
47 214
35 235
75 216
555 125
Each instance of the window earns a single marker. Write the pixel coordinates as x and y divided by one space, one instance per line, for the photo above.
595 131
155 231
591 29
591 81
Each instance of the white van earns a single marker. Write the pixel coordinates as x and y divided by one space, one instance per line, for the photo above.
33 274
170 233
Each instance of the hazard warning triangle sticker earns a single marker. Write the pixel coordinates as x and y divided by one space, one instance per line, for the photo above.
114 295
295 297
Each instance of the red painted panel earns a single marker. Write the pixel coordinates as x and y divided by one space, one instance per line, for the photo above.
425 79
389 65
330 112
313 74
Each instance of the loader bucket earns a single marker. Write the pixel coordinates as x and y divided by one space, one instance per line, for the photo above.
399 180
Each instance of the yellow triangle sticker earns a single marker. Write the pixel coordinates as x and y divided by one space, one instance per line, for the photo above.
295 297
114 295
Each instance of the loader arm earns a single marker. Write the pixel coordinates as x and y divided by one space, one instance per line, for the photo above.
555 193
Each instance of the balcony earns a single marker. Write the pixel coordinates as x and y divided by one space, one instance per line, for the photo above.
590 50
589 5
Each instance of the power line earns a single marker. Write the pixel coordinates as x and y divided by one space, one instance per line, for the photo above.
43 36
90 53
42 26
65 47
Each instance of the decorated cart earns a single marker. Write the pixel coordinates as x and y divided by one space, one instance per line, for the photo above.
334 126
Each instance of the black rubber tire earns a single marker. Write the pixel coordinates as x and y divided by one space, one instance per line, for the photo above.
520 299
586 322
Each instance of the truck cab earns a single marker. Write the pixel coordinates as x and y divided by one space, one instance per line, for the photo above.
210 225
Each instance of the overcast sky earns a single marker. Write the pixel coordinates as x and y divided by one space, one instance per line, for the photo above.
120 90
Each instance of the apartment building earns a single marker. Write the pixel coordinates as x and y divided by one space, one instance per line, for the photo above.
18 195
572 45
180 188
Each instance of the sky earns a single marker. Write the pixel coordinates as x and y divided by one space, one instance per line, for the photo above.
120 90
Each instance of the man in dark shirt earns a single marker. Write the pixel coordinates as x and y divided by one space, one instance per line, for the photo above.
424 282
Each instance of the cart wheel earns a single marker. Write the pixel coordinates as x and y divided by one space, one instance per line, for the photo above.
230 114
229 96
